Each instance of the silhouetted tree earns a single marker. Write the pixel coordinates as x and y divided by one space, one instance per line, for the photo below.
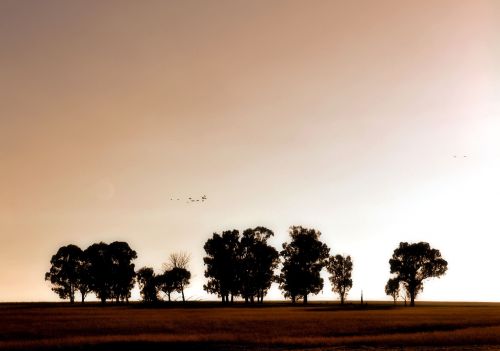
340 269
413 263
123 270
303 259
166 283
222 265
100 268
83 277
178 266
392 288
64 271
180 278
148 284
258 260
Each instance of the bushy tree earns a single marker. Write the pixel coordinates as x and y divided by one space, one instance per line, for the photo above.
66 266
411 264
340 269
148 284
258 260
392 288
303 259
222 265
100 269
123 270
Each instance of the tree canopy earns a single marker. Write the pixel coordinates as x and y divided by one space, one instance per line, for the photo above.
411 264
302 259
340 269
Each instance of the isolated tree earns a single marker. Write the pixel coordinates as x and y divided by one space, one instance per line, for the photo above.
303 259
340 269
148 284
258 260
411 264
392 289
123 270
64 270
222 265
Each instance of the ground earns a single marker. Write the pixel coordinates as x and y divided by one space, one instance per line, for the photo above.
274 326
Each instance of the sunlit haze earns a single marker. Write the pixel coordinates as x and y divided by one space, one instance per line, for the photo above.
374 122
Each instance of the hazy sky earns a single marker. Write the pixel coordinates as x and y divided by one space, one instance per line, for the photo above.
344 116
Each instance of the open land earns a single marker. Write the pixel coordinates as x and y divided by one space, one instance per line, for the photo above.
273 326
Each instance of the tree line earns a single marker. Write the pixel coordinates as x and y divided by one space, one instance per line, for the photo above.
235 266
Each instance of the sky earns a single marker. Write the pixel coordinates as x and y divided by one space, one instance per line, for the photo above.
374 122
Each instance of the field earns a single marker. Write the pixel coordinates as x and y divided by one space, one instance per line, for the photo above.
207 326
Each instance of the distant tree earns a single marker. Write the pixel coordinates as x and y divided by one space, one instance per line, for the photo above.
64 270
411 264
123 270
340 269
83 283
303 259
222 265
258 260
166 283
179 260
148 284
100 269
180 278
392 289
178 266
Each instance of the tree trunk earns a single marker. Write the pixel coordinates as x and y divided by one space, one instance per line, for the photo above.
412 299
341 299
182 292
305 299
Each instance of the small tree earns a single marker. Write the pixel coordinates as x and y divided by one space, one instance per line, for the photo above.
179 274
303 259
64 271
340 269
411 264
392 288
180 278
148 284
166 283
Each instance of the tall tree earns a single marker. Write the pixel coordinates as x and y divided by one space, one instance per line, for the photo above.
340 269
64 270
123 270
392 289
222 265
411 264
258 260
148 284
303 259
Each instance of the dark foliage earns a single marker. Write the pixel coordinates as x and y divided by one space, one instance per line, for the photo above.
222 266
340 269
411 264
303 259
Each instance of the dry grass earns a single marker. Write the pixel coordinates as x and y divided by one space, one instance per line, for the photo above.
320 326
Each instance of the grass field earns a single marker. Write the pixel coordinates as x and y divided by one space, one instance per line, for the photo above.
437 326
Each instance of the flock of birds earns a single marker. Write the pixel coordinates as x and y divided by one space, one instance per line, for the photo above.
189 200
